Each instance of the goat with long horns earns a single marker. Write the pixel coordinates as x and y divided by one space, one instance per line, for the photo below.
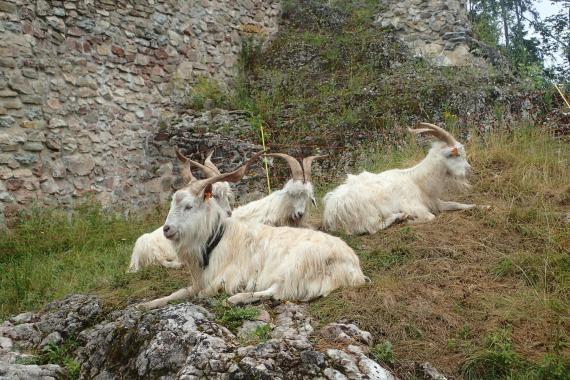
155 249
251 261
287 206
369 202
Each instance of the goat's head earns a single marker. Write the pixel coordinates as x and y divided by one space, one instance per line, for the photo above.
451 152
222 192
194 210
299 189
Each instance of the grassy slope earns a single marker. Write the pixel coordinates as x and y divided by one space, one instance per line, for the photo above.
50 255
445 292
474 292
442 292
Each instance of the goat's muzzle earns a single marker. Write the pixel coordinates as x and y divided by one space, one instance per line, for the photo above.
168 231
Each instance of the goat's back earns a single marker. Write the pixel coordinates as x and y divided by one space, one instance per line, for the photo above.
304 263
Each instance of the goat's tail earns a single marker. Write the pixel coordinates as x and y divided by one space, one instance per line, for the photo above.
141 246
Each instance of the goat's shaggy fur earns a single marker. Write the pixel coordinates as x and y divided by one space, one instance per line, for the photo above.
284 207
368 202
154 249
253 261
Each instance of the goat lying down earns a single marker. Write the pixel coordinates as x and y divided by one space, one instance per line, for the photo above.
369 202
251 261
287 206
153 248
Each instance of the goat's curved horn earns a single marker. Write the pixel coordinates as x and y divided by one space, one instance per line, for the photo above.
208 172
208 162
436 131
186 172
296 170
235 176
307 161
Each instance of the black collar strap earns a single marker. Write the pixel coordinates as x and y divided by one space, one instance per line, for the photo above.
212 244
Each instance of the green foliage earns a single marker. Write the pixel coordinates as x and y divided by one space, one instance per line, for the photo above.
52 253
383 353
232 316
61 355
487 30
207 92
498 360
552 367
261 334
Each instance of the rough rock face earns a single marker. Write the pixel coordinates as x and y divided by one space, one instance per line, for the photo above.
84 86
184 342
31 372
228 132
433 29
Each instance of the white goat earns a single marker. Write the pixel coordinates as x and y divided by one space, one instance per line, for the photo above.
368 202
285 207
153 248
251 261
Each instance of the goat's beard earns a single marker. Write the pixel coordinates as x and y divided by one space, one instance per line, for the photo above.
459 183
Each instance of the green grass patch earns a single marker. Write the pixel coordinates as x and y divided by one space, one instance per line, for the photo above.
499 360
60 354
383 353
260 334
51 253
232 316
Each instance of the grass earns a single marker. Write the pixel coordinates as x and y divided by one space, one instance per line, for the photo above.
260 334
232 316
51 253
61 354
383 353
481 293
443 292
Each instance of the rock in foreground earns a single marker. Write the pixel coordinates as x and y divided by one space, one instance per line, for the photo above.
183 341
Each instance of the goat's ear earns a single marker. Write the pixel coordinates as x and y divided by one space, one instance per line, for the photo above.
452 152
207 194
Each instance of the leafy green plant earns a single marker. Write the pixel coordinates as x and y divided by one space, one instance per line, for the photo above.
383 352
261 334
232 316
497 360
61 354
207 92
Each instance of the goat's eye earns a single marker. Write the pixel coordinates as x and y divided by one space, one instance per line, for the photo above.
188 207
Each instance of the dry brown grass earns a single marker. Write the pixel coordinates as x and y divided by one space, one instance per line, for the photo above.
439 289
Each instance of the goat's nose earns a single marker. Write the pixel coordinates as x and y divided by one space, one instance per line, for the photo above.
168 231
300 214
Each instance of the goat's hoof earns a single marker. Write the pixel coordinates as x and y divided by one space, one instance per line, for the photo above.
402 216
144 306
234 300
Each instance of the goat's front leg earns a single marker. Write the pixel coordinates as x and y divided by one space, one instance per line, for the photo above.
161 302
454 206
175 264
422 216
394 218
245 298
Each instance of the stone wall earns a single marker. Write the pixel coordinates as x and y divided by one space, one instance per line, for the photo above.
86 84
434 29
